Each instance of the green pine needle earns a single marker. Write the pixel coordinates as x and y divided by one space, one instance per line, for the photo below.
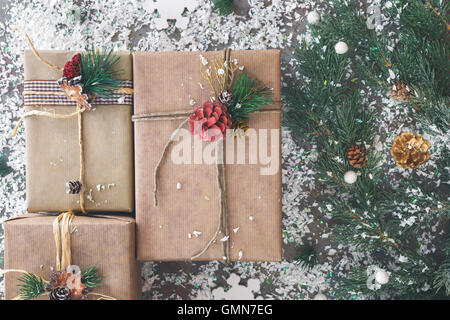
90 277
248 96
224 7
307 255
31 286
99 73
4 168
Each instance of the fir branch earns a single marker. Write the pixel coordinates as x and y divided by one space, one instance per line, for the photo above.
31 286
99 73
325 105
4 168
248 96
307 256
224 7
441 282
90 277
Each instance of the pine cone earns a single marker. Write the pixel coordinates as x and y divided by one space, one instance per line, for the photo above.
225 97
399 91
239 128
357 156
210 121
73 187
410 150
60 293
73 67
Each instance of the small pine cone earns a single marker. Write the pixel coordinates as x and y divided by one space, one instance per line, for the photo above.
225 97
73 187
399 92
357 156
239 128
60 293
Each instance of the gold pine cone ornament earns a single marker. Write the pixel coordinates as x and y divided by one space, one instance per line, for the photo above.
410 150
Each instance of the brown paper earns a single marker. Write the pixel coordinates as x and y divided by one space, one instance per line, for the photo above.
167 82
108 243
53 149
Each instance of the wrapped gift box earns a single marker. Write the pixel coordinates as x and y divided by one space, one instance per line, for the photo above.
105 242
53 148
188 193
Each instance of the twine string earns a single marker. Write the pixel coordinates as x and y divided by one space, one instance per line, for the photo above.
36 53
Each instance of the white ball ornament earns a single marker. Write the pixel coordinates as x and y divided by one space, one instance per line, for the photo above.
320 296
382 277
341 47
313 17
350 177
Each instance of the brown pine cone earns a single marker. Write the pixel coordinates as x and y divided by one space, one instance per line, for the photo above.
357 156
225 97
73 187
60 293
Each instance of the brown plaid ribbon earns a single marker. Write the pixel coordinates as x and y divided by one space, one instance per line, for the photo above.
57 96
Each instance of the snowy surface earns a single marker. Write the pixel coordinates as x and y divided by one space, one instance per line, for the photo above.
133 25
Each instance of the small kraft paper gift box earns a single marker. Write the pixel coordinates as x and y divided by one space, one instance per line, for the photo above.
78 131
71 257
207 155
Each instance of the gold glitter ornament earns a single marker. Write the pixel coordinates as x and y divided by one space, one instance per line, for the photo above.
410 150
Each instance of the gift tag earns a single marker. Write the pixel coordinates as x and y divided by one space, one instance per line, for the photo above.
170 9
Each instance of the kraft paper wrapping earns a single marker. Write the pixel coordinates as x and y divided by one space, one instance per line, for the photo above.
53 149
108 243
167 82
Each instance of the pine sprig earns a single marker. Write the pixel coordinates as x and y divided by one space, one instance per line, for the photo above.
442 280
90 277
224 7
31 286
248 96
99 75
4 168
307 256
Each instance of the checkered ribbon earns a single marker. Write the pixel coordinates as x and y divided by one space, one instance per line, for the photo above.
59 98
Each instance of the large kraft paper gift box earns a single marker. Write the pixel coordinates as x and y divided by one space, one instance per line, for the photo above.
188 193
107 242
53 148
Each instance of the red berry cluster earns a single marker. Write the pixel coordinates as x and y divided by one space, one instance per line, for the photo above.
73 67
